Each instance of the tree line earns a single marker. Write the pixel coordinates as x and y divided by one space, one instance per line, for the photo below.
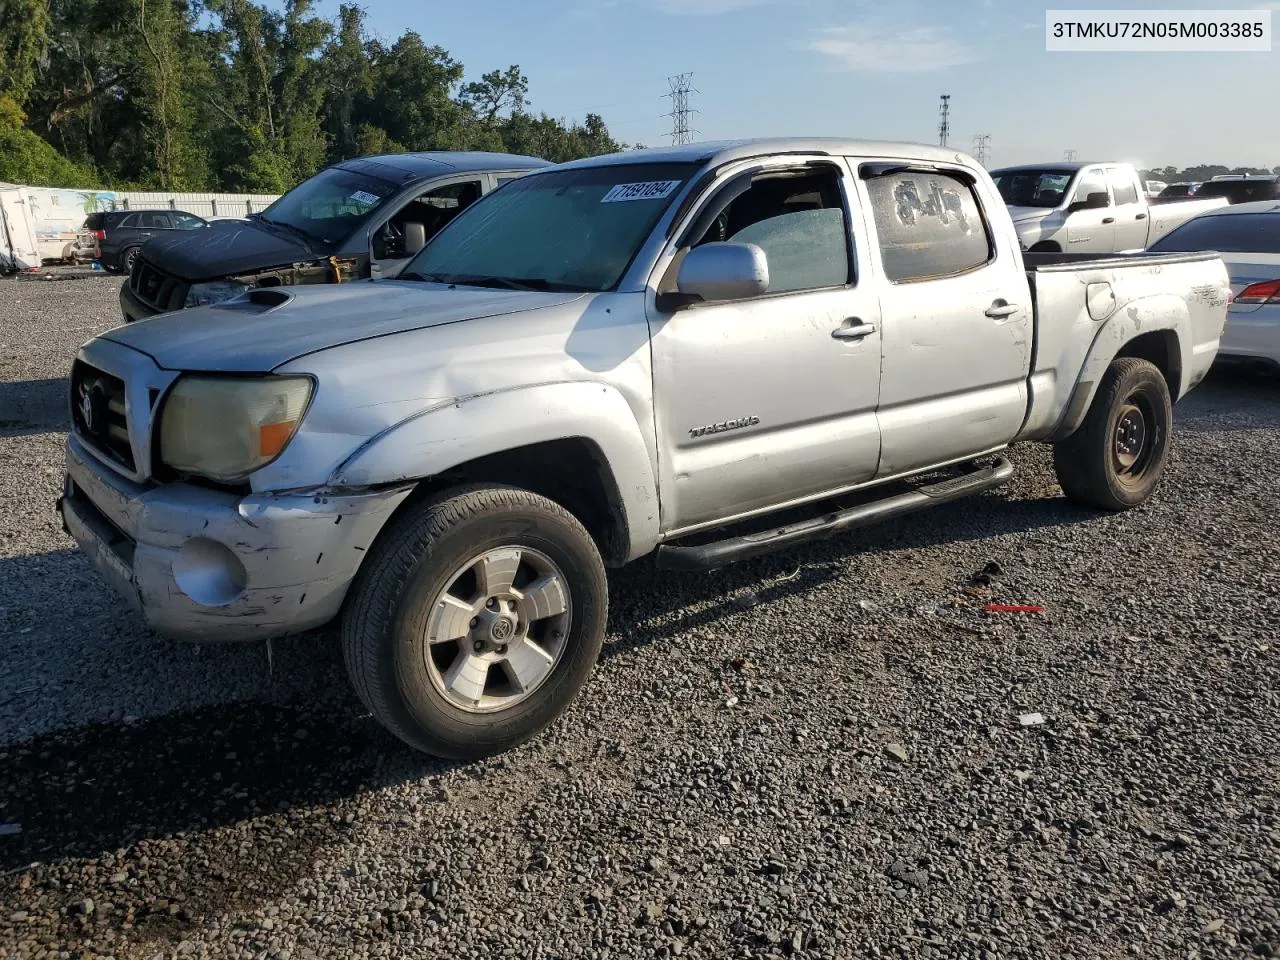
228 95
1201 173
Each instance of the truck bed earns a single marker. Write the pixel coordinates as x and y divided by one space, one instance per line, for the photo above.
1087 305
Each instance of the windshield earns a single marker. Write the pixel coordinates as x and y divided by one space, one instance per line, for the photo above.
564 230
1032 188
1224 233
329 206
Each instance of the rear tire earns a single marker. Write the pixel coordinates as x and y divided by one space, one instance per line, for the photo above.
1045 246
127 258
1117 456
475 620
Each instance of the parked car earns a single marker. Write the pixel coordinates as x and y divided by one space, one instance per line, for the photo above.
1242 189
708 352
1153 188
1088 208
118 235
1247 235
1177 191
356 219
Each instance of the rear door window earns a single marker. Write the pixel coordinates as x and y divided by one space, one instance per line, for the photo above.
930 225
153 221
1122 187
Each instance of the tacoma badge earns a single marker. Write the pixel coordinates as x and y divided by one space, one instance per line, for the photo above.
724 425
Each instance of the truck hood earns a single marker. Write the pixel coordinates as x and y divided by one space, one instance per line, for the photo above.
225 248
1029 214
236 337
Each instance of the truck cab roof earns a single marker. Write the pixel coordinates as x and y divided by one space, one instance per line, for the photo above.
403 167
717 152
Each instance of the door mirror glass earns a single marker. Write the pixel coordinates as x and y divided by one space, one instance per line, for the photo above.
723 271
415 238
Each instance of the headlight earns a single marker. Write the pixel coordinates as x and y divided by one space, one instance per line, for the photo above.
202 294
224 428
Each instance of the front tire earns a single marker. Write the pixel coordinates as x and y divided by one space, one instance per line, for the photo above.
1117 456
475 620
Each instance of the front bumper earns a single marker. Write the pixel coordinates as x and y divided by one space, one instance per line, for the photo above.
211 566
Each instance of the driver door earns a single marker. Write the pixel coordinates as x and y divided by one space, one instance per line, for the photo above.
395 241
1091 231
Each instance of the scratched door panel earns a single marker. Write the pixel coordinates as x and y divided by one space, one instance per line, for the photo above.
956 320
757 403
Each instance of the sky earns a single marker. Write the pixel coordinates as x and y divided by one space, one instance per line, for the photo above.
867 69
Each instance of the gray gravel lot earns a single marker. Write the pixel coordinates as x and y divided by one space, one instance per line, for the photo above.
816 754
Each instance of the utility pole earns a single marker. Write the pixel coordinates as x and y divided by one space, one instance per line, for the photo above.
680 86
944 125
980 150
1070 155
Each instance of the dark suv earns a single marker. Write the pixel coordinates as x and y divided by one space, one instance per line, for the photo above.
1241 189
118 234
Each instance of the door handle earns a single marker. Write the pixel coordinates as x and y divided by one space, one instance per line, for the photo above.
853 329
998 310
1108 219
1141 216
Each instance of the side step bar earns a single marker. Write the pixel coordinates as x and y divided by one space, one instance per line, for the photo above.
708 556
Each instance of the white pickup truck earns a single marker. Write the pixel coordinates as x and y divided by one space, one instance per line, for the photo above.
707 352
1089 208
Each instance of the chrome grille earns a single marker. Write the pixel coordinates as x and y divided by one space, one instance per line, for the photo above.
98 413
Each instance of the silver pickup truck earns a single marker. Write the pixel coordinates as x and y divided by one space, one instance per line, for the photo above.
707 352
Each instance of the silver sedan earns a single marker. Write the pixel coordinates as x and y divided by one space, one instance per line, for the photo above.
1247 235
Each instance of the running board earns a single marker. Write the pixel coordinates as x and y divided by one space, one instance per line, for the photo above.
708 556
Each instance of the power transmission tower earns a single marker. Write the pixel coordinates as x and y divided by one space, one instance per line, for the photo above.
944 125
681 132
1070 155
980 151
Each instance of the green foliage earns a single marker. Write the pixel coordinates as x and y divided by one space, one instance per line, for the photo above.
26 159
1200 173
241 96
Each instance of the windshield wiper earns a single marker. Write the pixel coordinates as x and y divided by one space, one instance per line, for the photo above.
423 277
534 284
307 237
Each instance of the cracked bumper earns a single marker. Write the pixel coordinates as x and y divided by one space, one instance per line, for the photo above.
205 565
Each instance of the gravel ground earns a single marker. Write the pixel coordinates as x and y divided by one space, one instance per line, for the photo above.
818 754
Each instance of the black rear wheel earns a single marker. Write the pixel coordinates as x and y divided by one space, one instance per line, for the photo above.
127 259
1118 455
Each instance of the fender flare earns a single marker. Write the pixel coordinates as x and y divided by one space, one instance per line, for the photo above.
1164 312
457 431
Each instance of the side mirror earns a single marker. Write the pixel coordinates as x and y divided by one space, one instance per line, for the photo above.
415 238
1094 201
719 271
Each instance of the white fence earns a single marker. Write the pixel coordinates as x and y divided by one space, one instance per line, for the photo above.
201 204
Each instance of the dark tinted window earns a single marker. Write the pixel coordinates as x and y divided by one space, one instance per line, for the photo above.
1240 191
186 221
1225 233
128 220
1090 182
1032 188
930 225
148 220
1122 187
94 221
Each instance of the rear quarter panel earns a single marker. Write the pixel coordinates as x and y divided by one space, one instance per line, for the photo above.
1087 313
